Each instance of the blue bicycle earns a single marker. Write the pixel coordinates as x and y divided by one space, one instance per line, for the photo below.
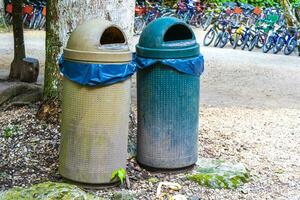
292 43
271 40
287 40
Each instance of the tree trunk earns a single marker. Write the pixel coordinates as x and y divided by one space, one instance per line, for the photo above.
19 48
289 15
53 50
62 19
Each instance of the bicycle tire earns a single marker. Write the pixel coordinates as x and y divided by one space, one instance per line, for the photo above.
43 22
224 39
207 23
261 41
210 40
253 43
278 45
25 18
236 41
267 46
218 38
32 21
245 42
138 29
290 47
37 22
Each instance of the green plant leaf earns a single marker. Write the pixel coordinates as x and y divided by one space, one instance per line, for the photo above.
114 175
122 175
119 174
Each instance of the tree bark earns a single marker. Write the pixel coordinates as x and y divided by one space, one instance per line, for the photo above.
62 19
19 48
289 15
53 50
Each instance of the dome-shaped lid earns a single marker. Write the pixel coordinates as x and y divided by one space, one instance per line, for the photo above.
167 37
98 41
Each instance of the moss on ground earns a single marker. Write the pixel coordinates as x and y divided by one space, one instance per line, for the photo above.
48 191
218 174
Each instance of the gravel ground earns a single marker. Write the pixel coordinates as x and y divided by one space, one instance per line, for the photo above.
265 140
250 113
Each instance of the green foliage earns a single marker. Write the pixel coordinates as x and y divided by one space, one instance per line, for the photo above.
10 131
47 191
218 174
267 3
119 174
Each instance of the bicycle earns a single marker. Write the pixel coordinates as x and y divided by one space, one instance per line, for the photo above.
290 41
39 16
271 40
8 15
2 20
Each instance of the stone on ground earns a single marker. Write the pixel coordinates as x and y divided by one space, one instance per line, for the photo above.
219 174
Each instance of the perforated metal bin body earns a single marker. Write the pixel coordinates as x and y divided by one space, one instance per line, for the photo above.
168 100
94 119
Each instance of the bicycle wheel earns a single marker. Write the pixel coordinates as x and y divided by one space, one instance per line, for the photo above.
268 45
25 18
209 37
207 22
234 20
8 18
253 43
3 22
290 47
224 39
37 22
236 39
43 22
32 21
186 18
139 24
193 21
245 42
261 41
198 20
218 39
278 45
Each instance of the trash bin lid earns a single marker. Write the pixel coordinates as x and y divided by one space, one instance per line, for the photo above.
98 41
167 37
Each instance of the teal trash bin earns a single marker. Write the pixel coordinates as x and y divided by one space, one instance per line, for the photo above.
168 85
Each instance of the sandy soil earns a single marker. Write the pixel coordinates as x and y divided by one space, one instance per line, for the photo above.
250 113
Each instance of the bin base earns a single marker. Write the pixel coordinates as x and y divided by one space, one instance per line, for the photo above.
92 186
167 170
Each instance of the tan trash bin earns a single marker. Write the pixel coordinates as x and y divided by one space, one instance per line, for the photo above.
95 119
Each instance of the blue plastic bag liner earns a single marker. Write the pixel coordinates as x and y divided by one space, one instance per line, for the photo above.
193 66
91 74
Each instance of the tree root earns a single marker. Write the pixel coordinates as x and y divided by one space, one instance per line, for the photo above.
49 111
16 92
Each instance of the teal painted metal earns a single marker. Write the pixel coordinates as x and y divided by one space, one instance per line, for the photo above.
168 103
168 107
167 38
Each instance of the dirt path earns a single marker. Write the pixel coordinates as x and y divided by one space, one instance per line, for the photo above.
34 45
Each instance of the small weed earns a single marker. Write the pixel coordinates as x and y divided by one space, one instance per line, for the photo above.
119 174
10 131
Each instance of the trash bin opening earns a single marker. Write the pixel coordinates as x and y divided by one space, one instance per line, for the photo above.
178 32
112 35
